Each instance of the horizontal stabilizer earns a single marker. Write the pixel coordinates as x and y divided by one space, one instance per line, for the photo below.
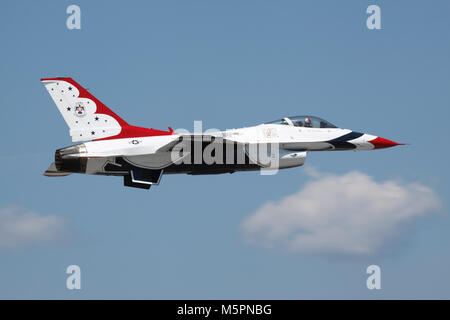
52 171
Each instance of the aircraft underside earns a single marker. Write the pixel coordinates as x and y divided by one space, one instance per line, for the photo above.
231 160
144 178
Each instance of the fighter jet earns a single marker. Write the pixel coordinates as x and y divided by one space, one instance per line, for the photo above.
108 145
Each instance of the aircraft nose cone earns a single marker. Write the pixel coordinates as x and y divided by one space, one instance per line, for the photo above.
380 143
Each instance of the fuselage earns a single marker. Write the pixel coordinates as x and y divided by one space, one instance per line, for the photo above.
292 143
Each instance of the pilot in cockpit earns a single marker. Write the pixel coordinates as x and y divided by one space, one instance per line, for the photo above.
308 122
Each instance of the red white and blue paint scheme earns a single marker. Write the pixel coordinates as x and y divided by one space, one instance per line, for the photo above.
107 145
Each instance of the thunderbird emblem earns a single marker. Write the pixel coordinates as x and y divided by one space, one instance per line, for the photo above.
79 109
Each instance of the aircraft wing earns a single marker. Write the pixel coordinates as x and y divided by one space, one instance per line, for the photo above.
155 163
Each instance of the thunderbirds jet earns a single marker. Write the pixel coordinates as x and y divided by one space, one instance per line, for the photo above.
110 146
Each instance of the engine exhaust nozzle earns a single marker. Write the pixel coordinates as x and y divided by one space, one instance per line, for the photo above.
71 159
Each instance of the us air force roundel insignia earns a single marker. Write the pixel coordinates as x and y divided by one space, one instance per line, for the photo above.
135 142
80 111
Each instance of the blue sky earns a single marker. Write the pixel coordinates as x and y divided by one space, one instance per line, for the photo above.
229 64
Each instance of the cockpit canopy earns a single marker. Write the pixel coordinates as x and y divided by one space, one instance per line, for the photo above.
304 121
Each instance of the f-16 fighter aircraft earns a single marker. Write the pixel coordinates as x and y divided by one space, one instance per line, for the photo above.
107 145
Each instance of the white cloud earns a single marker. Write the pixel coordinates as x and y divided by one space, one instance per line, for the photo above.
349 214
19 226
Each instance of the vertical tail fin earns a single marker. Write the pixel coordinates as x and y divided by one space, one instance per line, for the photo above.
87 117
